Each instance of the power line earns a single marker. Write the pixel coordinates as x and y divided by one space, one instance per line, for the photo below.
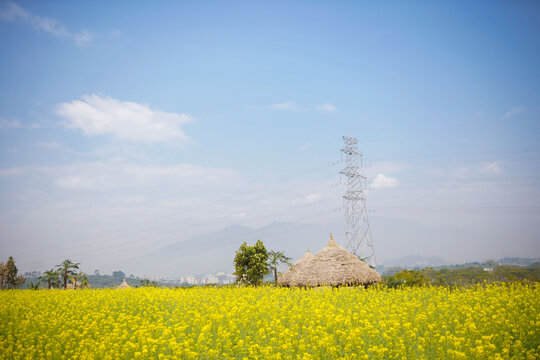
357 230
174 215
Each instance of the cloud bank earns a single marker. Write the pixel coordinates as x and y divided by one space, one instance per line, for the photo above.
382 181
329 108
12 12
515 110
15 124
103 115
290 105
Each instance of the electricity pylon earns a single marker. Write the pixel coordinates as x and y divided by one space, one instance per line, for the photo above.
357 230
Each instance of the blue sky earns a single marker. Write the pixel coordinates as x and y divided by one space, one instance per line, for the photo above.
115 114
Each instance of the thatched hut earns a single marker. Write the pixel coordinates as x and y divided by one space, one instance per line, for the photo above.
73 285
76 285
287 279
334 266
123 285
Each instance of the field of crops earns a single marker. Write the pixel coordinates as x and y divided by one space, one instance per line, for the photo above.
491 322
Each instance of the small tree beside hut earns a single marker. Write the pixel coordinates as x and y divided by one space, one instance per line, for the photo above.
275 258
250 263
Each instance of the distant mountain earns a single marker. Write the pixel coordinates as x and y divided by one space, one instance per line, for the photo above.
231 234
519 261
413 261
215 251
393 238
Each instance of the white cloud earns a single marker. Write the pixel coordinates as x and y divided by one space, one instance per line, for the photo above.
382 181
305 147
115 175
491 168
329 108
388 167
76 183
103 115
51 145
14 124
9 124
290 105
12 12
313 198
462 172
515 110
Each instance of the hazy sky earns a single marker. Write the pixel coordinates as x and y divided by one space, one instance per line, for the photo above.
127 126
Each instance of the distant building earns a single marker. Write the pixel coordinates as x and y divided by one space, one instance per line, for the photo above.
221 278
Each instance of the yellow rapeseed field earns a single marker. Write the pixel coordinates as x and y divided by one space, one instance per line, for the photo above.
494 321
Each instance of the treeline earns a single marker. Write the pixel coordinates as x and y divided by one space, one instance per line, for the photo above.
100 281
63 276
9 275
462 276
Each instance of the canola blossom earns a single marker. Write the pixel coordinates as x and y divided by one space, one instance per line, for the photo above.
493 321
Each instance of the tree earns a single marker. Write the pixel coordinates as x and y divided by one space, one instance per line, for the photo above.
51 277
10 278
33 286
250 263
3 276
148 283
67 269
82 280
119 274
274 259
407 278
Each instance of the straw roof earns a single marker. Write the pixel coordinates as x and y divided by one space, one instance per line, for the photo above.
334 265
288 276
124 285
76 285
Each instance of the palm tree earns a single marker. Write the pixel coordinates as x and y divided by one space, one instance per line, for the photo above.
66 269
274 259
51 277
80 281
33 286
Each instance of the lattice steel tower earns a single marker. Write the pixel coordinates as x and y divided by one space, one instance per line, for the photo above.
357 230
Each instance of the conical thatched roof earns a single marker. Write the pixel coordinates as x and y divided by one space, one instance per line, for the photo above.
288 276
334 265
124 285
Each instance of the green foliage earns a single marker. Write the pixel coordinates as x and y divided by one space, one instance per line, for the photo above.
250 263
83 279
275 258
9 279
108 281
119 274
67 270
52 277
3 275
461 276
33 286
148 283
407 278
